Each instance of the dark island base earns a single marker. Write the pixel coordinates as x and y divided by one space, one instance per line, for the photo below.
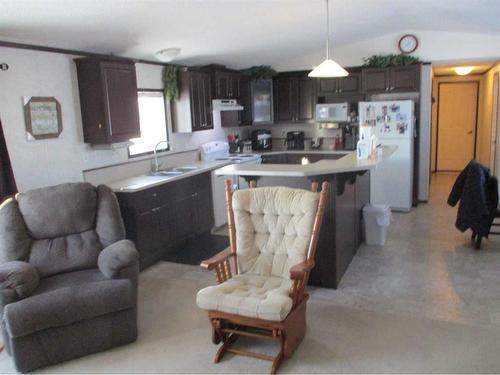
341 233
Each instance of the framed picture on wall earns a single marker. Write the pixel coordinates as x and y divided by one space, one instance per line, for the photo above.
43 117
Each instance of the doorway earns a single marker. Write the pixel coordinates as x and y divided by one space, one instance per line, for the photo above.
495 126
457 115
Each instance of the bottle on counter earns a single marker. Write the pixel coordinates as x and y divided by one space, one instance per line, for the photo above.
362 149
338 142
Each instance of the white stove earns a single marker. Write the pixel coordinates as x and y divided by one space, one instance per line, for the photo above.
219 150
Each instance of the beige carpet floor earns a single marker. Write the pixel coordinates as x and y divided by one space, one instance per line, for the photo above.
424 303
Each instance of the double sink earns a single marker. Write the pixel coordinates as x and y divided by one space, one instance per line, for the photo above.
175 171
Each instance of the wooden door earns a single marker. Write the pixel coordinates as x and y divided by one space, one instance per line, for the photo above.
456 124
122 108
495 127
405 78
283 99
375 80
305 103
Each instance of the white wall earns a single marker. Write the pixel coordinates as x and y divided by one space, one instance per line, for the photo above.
438 47
48 162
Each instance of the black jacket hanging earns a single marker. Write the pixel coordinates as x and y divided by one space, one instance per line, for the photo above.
477 191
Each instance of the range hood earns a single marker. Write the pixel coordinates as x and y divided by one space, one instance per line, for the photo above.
226 105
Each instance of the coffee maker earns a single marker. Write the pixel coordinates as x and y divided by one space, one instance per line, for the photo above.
349 137
295 140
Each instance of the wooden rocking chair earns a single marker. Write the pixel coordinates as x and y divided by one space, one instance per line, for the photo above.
262 276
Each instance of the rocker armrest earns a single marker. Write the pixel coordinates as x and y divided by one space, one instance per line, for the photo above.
19 277
297 271
212 262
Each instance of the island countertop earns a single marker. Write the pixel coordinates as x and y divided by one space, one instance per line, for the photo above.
347 163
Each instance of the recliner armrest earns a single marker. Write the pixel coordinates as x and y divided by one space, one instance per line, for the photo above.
119 260
20 277
210 263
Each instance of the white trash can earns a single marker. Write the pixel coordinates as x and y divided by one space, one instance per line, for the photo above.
377 218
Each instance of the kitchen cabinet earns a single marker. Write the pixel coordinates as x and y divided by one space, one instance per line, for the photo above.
341 86
108 100
227 85
294 98
262 101
245 116
192 111
161 218
393 79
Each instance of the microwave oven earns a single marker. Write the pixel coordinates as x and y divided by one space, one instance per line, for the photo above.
332 112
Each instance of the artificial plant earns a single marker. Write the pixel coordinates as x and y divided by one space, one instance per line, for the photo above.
260 72
170 82
383 61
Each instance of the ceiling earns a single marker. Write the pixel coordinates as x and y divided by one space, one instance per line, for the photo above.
477 68
238 33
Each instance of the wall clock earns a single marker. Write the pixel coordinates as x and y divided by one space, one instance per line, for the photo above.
408 43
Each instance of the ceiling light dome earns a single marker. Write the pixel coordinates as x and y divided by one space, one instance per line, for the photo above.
168 54
328 68
463 70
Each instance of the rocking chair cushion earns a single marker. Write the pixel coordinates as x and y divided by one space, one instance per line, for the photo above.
249 295
273 228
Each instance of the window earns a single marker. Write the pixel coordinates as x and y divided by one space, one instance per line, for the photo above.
153 122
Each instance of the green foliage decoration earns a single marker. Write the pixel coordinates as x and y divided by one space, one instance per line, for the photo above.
383 61
170 82
260 72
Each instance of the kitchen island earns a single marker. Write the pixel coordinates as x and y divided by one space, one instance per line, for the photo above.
341 232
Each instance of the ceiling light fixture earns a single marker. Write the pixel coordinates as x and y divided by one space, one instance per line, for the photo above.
463 70
168 54
328 68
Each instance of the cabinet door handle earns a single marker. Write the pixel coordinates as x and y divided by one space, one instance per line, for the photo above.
392 88
99 126
387 89
154 195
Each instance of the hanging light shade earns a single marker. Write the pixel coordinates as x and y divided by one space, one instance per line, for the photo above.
328 68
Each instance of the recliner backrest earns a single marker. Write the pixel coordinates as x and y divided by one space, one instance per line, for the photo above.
273 228
60 228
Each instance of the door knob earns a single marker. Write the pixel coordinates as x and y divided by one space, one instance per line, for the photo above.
469 132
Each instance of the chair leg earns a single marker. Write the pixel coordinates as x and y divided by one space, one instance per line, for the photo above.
224 347
279 357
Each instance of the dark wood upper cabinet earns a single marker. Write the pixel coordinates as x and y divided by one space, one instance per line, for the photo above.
393 79
294 98
405 78
306 99
245 116
342 86
108 99
376 80
226 84
192 111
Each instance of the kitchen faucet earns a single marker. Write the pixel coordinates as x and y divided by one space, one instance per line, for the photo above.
155 153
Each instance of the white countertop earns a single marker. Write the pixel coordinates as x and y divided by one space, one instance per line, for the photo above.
138 183
347 163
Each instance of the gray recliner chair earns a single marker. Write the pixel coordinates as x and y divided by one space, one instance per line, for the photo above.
68 276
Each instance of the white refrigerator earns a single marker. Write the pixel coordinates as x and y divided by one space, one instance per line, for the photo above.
393 123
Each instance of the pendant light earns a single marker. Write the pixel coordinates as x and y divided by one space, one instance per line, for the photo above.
328 68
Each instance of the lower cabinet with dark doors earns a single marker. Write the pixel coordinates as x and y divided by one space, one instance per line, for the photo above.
160 219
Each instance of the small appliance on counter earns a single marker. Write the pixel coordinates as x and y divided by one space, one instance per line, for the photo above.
262 140
294 140
349 136
226 112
